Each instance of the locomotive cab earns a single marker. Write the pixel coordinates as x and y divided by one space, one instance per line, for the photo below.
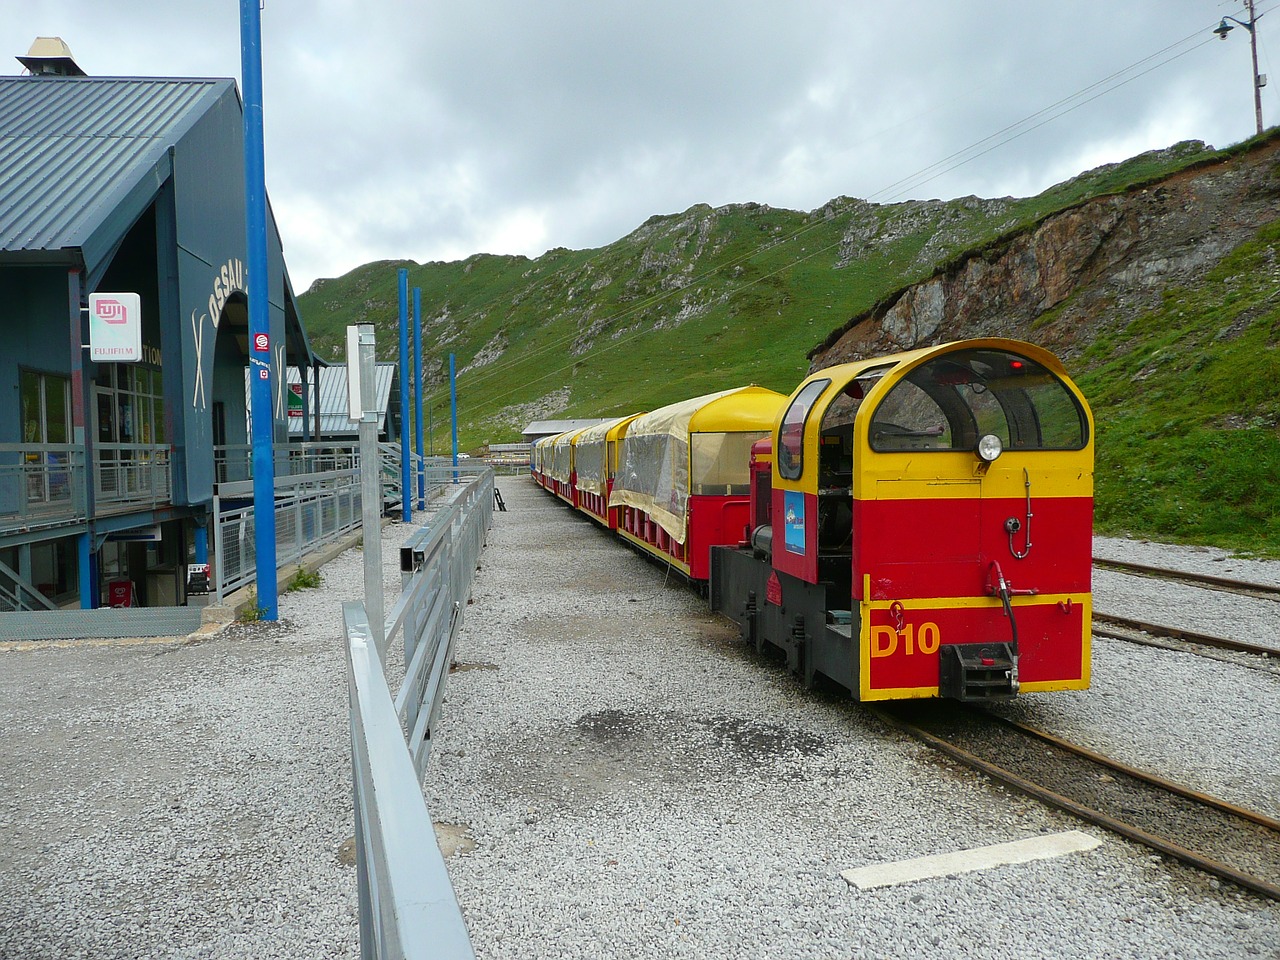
901 560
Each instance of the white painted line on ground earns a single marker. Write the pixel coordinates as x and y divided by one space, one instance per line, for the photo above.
966 861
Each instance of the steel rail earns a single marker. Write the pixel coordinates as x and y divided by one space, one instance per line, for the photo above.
1246 588
1149 778
1163 845
1178 633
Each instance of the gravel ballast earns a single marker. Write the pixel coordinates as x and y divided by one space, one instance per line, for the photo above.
627 780
637 784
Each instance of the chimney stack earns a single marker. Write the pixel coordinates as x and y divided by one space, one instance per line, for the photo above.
51 57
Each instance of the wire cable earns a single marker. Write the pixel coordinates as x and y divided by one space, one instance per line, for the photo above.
925 175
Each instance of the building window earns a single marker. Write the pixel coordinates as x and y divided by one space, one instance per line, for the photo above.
46 408
45 401
130 404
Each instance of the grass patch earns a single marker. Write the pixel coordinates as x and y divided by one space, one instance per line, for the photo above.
304 579
253 611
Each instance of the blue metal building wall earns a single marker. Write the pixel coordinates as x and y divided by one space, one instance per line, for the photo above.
212 266
28 300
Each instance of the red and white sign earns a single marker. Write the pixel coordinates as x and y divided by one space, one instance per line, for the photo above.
261 343
120 593
115 327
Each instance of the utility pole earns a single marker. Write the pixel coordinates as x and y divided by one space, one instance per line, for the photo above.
1257 77
261 415
1224 28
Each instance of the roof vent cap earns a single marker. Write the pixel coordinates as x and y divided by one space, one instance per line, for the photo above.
51 57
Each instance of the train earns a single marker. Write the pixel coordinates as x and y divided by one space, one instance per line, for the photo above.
917 525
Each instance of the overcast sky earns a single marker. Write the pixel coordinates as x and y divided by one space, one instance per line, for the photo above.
431 131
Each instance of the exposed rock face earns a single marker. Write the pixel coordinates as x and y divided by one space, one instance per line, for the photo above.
1078 272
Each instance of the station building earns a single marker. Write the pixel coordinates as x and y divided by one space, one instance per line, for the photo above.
108 469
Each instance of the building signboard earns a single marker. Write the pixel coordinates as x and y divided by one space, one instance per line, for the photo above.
115 327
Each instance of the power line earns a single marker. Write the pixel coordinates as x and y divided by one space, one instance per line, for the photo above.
925 175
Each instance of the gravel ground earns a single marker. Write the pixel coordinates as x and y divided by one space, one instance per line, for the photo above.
184 799
631 782
1209 560
636 784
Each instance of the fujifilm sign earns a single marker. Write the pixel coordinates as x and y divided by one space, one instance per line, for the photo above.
115 327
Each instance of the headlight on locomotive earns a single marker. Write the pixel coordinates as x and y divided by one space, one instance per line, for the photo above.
990 447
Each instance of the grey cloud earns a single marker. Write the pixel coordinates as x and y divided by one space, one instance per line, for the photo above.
407 129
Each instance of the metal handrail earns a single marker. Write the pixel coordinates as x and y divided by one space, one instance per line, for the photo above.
407 905
129 475
234 461
41 485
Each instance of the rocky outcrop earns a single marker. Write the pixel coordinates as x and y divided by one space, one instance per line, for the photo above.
1079 272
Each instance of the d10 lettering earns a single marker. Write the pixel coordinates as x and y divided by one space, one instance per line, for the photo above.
884 640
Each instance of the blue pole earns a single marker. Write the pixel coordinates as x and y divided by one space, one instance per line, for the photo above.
406 481
88 582
417 396
453 411
261 415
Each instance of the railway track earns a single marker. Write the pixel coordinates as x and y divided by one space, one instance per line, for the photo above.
1126 628
1245 588
1221 839
1140 631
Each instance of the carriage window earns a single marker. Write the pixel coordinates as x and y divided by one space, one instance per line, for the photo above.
791 433
951 401
721 462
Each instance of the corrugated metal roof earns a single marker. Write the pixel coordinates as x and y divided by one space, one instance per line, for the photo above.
70 147
333 401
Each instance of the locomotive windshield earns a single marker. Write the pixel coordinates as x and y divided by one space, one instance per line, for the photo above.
791 433
952 400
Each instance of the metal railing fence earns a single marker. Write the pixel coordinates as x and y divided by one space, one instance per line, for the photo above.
128 476
305 520
41 485
318 501
407 905
233 462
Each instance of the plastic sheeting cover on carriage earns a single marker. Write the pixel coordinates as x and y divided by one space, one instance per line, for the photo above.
591 453
561 466
696 440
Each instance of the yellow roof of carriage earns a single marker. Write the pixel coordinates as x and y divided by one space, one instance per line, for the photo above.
657 479
729 411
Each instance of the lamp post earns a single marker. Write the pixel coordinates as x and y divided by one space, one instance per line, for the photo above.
1223 28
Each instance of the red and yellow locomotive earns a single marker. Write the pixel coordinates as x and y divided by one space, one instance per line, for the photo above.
929 527
917 525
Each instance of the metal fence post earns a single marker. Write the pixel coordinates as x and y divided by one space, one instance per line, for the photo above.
219 552
362 401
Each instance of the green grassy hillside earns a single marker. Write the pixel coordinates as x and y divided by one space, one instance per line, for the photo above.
1187 402
686 304
1185 397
